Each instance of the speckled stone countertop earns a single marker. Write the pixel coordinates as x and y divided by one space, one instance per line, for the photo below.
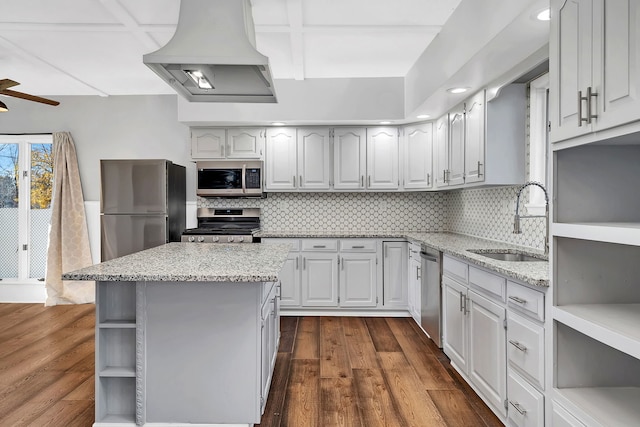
191 262
535 273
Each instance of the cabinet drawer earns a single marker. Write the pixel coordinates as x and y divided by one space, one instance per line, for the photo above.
357 245
489 283
320 245
455 269
526 404
295 243
525 300
525 347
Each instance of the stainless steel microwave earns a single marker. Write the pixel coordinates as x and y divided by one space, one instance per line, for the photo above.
229 178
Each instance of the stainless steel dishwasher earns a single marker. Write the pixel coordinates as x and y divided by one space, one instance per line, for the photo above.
431 295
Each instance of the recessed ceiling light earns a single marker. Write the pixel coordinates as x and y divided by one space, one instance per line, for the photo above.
458 89
544 15
277 124
385 123
423 116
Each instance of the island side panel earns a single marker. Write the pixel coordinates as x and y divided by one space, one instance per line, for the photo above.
202 350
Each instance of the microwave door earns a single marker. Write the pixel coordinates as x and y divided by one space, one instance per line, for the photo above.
215 182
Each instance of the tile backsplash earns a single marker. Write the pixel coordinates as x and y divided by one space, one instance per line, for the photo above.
346 211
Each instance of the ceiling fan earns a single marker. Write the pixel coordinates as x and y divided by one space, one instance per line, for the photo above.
5 84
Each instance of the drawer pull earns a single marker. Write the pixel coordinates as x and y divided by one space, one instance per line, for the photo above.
460 301
357 247
319 246
518 408
519 346
518 300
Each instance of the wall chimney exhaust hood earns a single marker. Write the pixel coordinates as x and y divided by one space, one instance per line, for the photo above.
212 55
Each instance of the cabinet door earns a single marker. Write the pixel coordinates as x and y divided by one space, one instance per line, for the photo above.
487 349
418 164
281 169
245 143
395 274
319 279
570 66
382 159
313 158
290 281
454 322
474 143
358 280
617 63
208 143
415 280
349 158
455 176
442 151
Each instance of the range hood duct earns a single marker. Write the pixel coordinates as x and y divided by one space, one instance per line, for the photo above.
212 55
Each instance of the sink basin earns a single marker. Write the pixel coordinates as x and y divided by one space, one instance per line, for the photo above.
506 255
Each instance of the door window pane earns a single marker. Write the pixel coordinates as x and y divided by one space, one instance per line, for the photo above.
9 167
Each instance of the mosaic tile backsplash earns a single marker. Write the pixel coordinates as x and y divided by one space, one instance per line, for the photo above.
346 211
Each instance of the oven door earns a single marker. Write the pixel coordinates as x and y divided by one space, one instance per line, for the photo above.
229 179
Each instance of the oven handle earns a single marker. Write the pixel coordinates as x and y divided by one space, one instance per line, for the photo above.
244 177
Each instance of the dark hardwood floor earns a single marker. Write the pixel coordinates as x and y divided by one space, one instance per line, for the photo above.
330 371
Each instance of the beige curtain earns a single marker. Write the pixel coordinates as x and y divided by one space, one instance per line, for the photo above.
68 238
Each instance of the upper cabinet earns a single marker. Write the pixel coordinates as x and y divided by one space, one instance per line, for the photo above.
474 138
281 166
594 61
313 158
349 158
455 172
418 157
441 164
229 143
382 159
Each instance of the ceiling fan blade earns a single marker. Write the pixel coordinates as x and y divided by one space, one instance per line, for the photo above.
7 83
28 97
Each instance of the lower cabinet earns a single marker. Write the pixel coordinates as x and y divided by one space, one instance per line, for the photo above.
358 280
454 322
290 279
319 279
414 277
394 280
270 324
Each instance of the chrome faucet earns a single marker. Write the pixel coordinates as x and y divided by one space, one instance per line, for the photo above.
516 220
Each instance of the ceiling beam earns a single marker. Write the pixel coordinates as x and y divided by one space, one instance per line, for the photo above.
294 9
126 18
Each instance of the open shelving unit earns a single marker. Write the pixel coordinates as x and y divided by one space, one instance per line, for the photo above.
595 308
116 353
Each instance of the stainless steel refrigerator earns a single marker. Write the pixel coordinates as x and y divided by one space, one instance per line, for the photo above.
142 205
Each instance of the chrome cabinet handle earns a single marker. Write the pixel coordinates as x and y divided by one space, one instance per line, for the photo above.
319 246
428 179
518 407
479 166
466 302
444 175
361 180
297 263
369 181
580 99
341 263
590 94
357 247
417 273
304 263
519 346
300 181
518 300
460 301
294 181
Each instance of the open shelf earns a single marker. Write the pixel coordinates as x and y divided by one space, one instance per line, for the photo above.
116 401
117 302
625 233
113 371
615 325
117 324
117 350
609 406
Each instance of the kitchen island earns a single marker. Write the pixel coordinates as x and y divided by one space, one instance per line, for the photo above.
186 334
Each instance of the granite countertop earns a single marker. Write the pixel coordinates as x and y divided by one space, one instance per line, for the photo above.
189 262
534 273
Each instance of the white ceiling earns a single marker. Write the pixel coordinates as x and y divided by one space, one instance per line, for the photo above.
95 47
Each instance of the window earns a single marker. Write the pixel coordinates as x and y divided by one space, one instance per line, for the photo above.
538 139
26 178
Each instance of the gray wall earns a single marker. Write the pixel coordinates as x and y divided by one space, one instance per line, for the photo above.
115 127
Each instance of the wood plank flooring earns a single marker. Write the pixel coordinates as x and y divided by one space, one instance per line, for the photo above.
330 371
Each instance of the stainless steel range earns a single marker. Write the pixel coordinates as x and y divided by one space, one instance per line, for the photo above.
226 225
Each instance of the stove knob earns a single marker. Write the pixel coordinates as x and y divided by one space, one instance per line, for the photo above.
230 239
191 239
240 239
216 239
200 239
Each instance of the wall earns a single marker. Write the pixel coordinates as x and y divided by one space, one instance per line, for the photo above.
115 127
346 211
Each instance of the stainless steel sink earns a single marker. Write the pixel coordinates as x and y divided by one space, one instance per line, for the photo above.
506 255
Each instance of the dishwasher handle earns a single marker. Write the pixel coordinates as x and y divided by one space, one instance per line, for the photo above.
428 257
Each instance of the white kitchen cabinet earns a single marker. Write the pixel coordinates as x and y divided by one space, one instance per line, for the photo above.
382 159
454 322
313 158
594 62
349 158
227 143
455 172
270 337
319 279
526 404
441 141
418 157
290 281
474 144
245 143
394 266
281 159
357 280
208 143
414 278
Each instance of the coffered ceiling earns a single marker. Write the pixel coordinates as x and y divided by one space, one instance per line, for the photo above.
95 47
